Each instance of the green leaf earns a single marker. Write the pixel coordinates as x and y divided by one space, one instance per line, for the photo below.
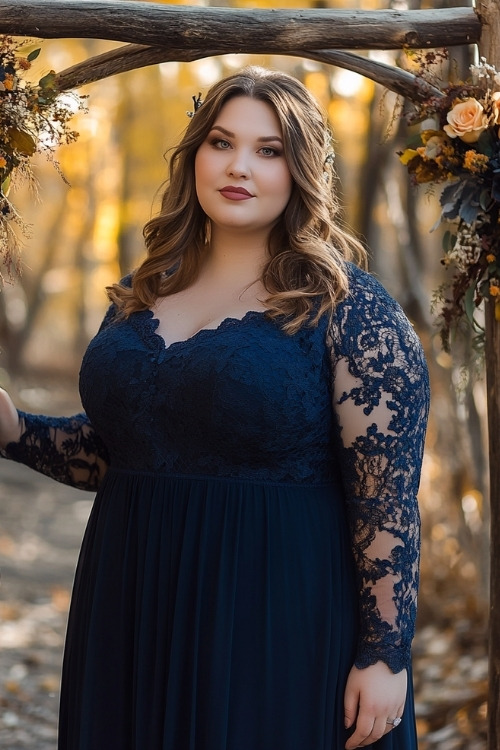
486 143
48 82
485 200
414 141
33 55
469 305
449 240
5 186
446 240
23 142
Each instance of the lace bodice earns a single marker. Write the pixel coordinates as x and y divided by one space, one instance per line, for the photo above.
344 402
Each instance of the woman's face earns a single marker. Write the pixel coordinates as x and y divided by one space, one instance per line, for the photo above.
242 179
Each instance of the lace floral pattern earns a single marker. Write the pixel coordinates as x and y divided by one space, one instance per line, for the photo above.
66 449
241 401
246 401
381 399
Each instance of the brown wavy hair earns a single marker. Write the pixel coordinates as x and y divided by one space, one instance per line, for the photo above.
307 246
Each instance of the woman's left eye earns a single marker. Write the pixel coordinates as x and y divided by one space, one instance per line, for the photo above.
268 151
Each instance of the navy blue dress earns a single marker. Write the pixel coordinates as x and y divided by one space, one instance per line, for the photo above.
255 531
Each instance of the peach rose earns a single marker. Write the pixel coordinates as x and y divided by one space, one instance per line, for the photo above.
495 101
466 120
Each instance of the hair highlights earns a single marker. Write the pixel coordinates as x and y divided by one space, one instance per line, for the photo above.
305 274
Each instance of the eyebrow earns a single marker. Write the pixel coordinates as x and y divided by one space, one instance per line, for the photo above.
263 139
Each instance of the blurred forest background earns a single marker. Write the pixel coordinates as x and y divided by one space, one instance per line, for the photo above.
88 234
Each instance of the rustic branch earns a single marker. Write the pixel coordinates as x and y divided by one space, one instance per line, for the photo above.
132 56
125 58
235 29
395 79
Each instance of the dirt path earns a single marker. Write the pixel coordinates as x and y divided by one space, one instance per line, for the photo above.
41 526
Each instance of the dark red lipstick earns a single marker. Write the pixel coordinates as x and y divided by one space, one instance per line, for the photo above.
235 193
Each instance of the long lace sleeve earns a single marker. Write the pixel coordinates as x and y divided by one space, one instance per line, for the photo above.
64 448
67 449
380 398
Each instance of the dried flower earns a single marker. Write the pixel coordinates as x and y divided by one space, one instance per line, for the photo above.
24 63
474 162
463 154
33 119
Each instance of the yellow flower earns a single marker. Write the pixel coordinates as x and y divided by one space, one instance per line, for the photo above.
466 120
491 258
3 162
474 162
494 288
407 155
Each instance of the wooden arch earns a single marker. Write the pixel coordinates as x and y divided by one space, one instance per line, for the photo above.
157 33
154 33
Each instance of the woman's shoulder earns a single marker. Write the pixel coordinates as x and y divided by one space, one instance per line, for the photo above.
127 280
369 312
366 296
363 284
111 314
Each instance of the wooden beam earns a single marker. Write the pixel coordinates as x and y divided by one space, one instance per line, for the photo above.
239 30
132 56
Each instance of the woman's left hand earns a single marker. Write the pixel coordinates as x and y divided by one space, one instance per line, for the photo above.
374 697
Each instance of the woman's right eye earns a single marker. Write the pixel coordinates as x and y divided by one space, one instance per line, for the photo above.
221 144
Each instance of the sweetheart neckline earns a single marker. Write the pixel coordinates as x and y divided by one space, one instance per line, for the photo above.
224 323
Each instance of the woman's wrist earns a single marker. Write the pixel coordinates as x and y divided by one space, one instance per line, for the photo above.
10 426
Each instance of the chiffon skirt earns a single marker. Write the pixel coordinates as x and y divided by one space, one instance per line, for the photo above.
212 614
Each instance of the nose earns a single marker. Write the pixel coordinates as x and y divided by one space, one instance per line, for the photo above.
238 165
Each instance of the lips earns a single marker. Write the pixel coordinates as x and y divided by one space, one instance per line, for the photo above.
235 193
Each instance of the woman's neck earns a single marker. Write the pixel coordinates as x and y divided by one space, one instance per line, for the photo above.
236 257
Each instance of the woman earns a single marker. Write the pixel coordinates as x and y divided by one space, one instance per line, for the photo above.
255 414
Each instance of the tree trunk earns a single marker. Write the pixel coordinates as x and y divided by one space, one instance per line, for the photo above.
235 30
493 383
489 47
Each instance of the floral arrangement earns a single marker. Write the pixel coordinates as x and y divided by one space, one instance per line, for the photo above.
458 146
33 119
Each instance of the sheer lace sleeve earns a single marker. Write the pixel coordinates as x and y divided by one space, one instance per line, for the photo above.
64 448
380 397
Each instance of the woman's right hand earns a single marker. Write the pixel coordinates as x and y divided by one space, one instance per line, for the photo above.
10 428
